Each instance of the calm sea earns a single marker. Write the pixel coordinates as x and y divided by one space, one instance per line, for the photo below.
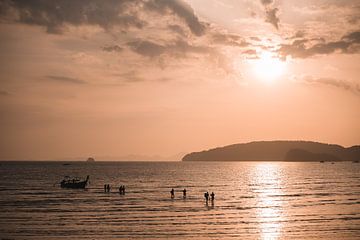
254 200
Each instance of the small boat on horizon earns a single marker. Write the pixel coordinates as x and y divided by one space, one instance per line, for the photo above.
68 182
90 159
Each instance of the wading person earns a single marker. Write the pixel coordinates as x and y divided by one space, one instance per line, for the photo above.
184 193
206 196
172 192
212 196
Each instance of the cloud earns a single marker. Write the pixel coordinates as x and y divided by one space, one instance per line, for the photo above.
266 2
112 48
149 25
65 79
252 54
54 15
131 76
272 18
303 48
177 29
271 13
182 10
179 48
343 84
229 39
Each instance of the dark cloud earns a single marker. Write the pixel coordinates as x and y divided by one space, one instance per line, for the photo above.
300 48
179 48
65 79
271 13
182 10
177 29
146 48
54 15
229 39
333 82
266 2
112 48
272 18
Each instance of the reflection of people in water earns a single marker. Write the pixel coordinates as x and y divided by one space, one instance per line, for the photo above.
172 192
184 193
212 196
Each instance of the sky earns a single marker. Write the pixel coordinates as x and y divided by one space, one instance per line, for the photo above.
168 77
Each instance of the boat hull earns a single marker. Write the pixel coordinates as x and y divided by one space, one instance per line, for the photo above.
74 184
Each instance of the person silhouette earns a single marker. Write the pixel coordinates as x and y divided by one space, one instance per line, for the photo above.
105 188
172 192
212 196
206 195
108 188
184 193
123 189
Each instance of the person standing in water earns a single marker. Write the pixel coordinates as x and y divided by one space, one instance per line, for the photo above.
206 195
172 192
184 193
212 196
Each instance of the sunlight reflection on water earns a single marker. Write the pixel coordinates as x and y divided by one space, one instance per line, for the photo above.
267 177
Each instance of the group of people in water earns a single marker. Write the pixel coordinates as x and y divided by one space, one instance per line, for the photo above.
172 193
207 196
121 189
106 187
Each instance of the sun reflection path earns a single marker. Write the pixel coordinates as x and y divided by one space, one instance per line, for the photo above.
268 192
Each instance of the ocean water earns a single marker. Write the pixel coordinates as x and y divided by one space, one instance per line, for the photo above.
254 200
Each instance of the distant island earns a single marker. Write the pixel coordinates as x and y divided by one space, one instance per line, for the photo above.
90 159
278 151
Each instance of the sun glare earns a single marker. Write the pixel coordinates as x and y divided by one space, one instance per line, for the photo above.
268 67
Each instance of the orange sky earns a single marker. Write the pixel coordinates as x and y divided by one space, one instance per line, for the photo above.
112 78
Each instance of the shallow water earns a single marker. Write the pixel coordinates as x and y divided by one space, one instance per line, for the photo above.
254 200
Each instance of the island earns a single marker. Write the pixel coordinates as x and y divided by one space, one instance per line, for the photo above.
90 159
278 151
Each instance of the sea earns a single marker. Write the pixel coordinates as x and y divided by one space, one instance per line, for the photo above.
253 200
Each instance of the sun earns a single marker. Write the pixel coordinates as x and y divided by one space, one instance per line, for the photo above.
267 67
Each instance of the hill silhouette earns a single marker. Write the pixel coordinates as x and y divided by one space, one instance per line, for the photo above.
278 151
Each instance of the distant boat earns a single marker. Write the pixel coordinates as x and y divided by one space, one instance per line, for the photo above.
356 161
90 159
66 164
68 182
322 161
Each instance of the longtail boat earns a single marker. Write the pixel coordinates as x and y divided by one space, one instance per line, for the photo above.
68 182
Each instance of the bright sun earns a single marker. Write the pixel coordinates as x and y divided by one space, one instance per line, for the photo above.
268 68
